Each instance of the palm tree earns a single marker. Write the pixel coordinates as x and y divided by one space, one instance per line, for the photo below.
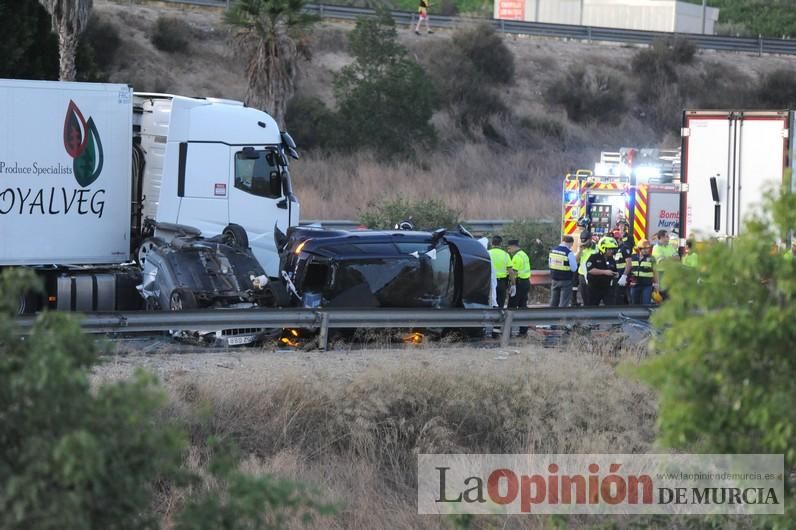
267 33
69 19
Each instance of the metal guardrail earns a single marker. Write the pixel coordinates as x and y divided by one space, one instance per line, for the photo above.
479 226
325 319
589 33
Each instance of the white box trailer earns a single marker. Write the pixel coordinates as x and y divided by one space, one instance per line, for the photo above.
730 159
65 164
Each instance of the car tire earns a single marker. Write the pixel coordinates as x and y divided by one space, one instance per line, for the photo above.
235 236
182 300
274 295
144 249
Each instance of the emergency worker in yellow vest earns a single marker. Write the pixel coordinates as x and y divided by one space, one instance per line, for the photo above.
501 263
587 248
519 278
563 266
642 273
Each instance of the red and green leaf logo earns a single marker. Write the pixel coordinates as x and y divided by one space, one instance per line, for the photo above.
83 144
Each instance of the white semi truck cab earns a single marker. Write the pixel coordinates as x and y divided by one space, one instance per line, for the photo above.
90 171
209 163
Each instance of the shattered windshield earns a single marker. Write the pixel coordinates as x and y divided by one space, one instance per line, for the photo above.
422 281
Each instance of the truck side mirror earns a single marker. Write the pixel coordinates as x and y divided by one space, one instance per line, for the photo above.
289 145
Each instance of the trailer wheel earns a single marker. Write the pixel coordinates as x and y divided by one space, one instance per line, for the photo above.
143 250
235 236
182 300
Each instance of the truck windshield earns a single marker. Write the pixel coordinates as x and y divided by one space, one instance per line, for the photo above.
259 173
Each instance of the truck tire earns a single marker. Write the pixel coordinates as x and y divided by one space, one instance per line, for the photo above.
182 300
235 236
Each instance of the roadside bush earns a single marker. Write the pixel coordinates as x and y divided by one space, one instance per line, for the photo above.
535 238
729 87
80 455
425 214
310 122
385 99
485 49
778 89
724 368
587 95
662 58
171 35
466 71
103 38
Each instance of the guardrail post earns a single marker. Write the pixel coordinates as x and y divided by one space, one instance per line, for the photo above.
320 10
505 333
323 336
588 32
760 40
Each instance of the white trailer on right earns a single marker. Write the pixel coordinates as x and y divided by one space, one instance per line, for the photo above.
729 160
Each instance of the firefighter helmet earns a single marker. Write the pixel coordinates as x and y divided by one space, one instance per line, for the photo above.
607 243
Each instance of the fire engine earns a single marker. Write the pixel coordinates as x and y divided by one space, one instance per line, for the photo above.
638 186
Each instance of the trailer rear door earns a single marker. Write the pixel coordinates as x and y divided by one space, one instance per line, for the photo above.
730 159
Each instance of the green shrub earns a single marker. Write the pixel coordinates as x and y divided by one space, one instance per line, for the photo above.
467 70
103 38
589 95
778 89
425 214
536 239
29 48
385 100
171 35
310 122
485 49
725 369
83 455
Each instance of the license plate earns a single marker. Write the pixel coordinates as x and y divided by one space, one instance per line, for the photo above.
237 341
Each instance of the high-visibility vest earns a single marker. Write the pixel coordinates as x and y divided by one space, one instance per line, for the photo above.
691 260
642 269
501 261
522 264
558 261
584 257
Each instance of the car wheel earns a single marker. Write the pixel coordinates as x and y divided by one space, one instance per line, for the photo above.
274 295
182 300
144 249
235 236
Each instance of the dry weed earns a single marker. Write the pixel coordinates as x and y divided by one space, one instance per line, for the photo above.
357 440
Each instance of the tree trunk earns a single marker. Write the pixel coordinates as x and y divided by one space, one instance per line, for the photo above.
67 47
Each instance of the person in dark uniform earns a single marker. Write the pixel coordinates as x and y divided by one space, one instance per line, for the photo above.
621 258
602 274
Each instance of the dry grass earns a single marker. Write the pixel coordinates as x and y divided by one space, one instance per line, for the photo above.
357 440
475 180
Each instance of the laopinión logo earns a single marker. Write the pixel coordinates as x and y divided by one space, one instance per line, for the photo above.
82 142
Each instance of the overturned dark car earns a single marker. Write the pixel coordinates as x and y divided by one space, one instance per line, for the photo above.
182 270
398 269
